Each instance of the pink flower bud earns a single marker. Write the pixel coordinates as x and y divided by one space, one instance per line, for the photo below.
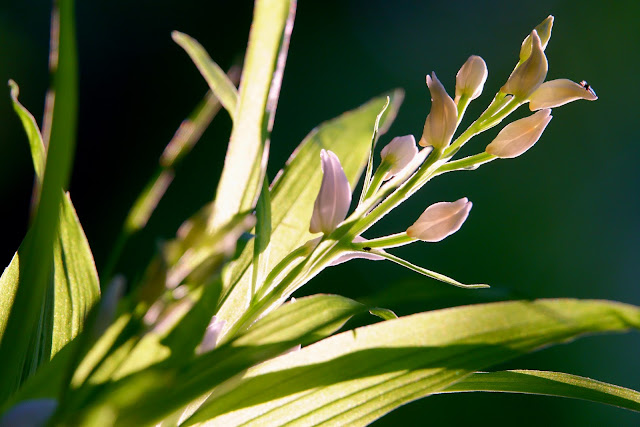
334 198
442 119
555 93
471 78
398 154
526 78
519 136
440 220
211 335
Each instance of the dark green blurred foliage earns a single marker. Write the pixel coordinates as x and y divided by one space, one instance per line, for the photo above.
558 221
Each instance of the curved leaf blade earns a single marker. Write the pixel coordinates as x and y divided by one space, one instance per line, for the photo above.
169 385
246 159
216 78
546 383
30 126
358 376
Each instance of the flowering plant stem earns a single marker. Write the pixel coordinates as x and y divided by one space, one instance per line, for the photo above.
341 239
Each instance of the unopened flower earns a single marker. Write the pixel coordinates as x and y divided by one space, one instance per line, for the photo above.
398 154
440 220
211 335
442 119
526 78
471 78
544 32
555 93
334 198
519 136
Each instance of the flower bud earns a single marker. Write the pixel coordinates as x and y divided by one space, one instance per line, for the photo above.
555 93
519 136
544 32
398 154
526 78
440 220
442 119
211 335
334 198
471 77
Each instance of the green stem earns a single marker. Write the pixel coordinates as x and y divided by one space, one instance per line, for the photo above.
392 241
374 140
280 267
425 272
466 163
463 103
377 180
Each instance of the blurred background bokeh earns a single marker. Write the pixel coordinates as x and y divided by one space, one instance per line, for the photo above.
560 221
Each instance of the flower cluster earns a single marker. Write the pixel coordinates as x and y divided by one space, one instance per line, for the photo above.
405 169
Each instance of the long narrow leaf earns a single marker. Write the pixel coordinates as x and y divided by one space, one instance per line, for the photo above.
358 376
31 129
169 385
549 384
245 162
25 332
218 81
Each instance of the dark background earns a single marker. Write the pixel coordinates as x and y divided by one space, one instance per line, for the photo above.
560 221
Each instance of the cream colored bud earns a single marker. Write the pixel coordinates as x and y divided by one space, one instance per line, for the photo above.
442 119
519 136
544 32
334 198
526 78
471 78
555 93
398 154
440 220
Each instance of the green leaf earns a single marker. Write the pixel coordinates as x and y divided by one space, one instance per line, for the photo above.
263 236
76 286
218 82
295 188
358 376
145 397
31 129
549 384
246 160
374 141
383 313
76 283
26 335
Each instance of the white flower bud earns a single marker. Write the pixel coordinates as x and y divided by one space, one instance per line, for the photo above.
555 93
471 78
519 136
544 32
442 119
334 198
526 78
440 220
398 154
